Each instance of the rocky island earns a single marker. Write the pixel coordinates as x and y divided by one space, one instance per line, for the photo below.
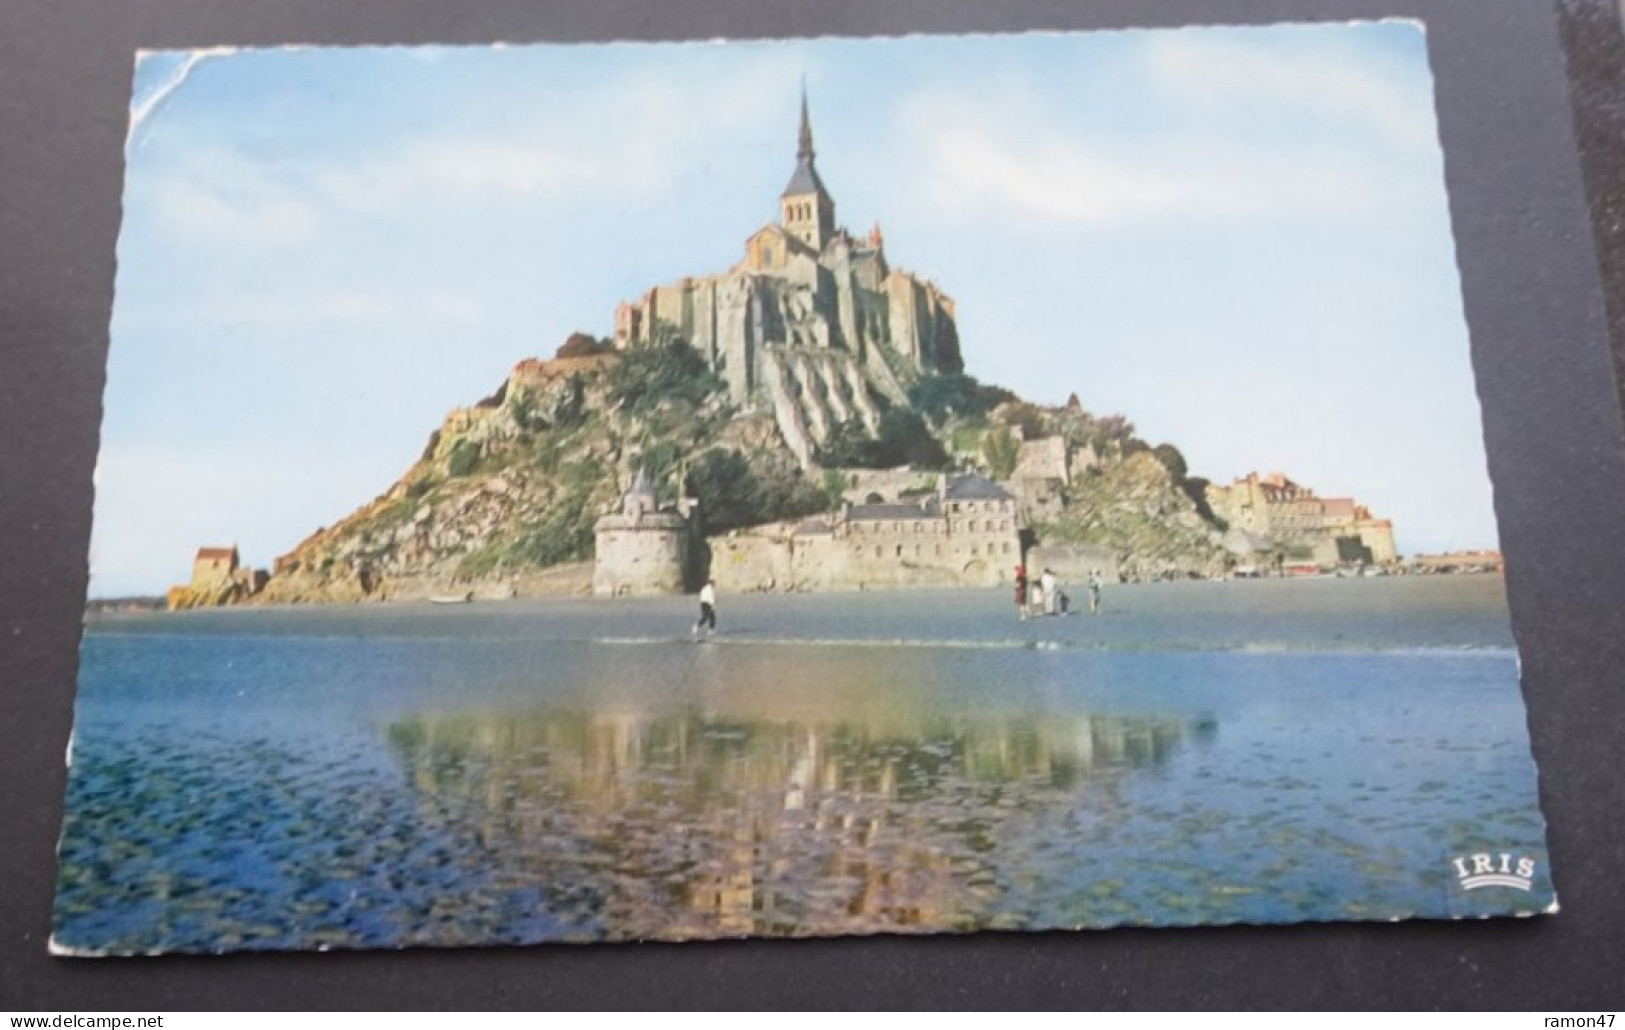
800 421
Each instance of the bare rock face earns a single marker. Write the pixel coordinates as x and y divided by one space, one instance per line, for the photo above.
814 390
1132 506
182 598
504 499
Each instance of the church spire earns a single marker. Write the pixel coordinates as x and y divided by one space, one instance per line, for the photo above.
806 209
804 148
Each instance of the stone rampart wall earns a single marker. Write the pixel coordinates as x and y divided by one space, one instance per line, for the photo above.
893 557
888 483
1072 563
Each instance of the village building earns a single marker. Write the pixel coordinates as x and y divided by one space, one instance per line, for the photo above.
218 577
214 567
966 533
1307 532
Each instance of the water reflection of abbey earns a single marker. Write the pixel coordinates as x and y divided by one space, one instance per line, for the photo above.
687 825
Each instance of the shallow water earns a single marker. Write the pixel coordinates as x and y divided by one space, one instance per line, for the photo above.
1258 751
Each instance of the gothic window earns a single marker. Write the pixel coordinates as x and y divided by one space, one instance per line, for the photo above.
973 525
879 551
899 550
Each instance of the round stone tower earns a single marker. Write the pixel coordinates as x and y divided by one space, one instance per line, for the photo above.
640 550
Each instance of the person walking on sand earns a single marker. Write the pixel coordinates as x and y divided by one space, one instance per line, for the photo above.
1048 581
1094 592
708 608
1021 591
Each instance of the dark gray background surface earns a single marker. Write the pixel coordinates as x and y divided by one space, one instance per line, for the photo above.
1540 351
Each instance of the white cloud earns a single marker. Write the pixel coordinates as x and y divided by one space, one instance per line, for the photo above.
983 168
431 172
220 199
1006 158
391 307
341 306
620 139
1248 69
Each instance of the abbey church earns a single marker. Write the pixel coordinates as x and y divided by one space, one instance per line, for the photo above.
812 322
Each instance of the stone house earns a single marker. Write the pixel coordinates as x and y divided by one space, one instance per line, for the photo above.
218 577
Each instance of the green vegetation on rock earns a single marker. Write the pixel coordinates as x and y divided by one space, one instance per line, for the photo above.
1134 507
959 396
904 438
1002 450
669 373
735 495
514 485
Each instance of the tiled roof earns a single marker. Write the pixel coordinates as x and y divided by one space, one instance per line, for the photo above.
1342 507
805 180
641 485
976 487
894 512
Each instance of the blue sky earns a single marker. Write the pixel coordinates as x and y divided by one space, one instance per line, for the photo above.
1237 237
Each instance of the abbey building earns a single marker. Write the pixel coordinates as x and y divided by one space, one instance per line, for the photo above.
813 322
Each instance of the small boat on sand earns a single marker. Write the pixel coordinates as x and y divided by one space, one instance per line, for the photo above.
452 598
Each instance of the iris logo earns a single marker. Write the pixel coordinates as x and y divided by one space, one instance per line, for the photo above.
1501 870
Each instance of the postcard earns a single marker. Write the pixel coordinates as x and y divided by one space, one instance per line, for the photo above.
811 487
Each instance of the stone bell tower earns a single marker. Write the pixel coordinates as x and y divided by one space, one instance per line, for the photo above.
806 209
